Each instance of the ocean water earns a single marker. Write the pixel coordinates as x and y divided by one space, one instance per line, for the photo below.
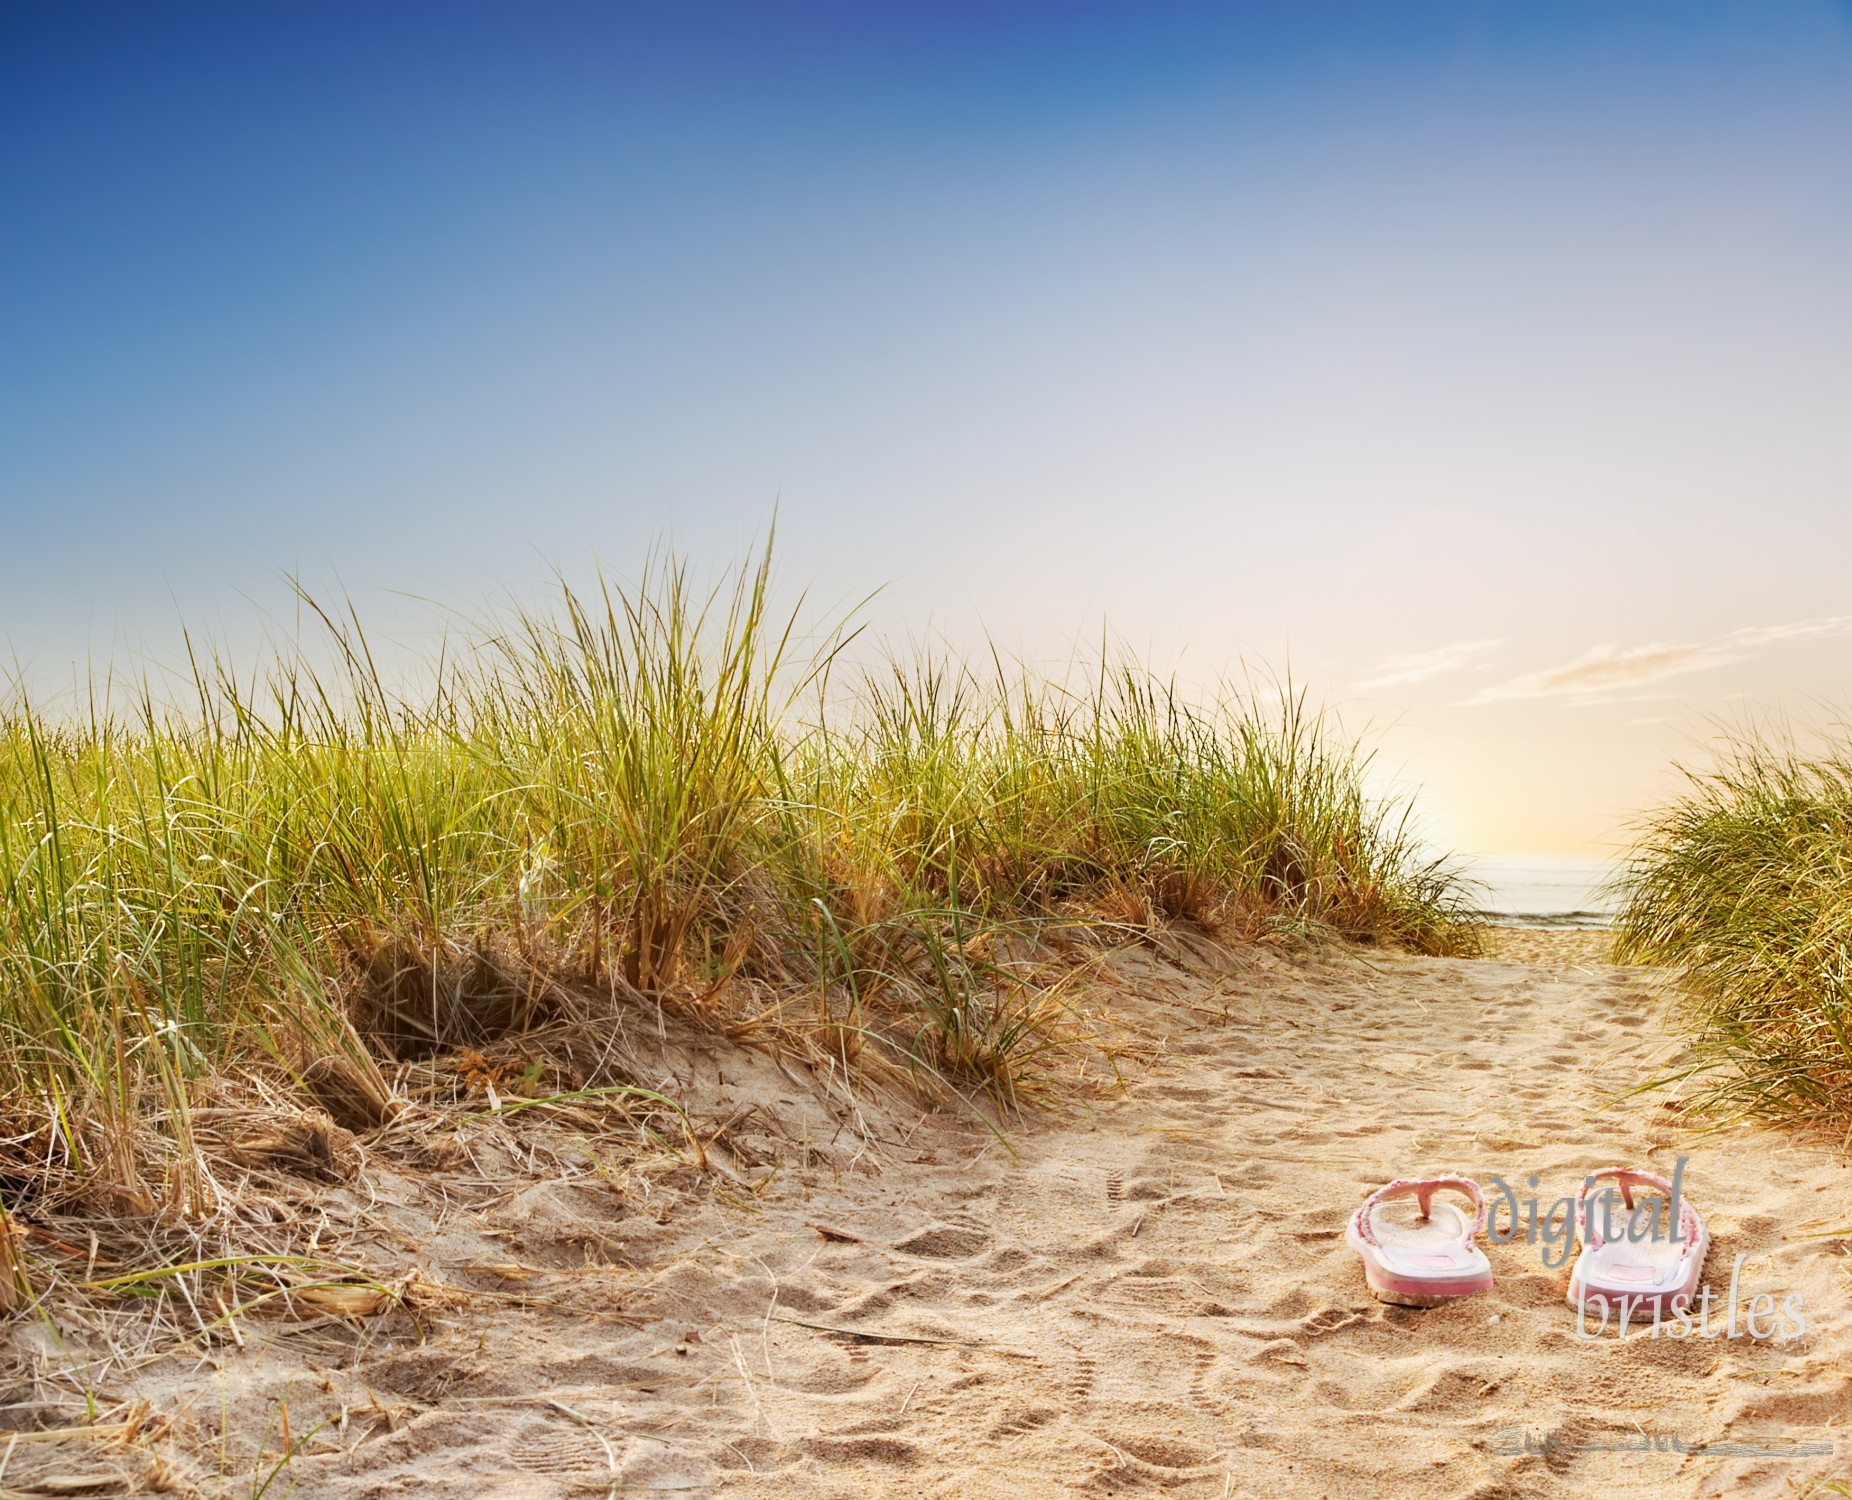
1536 891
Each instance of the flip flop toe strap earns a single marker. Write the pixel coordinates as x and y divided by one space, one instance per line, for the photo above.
1628 1178
1422 1190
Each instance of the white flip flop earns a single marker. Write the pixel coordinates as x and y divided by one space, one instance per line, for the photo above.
1656 1272
1427 1258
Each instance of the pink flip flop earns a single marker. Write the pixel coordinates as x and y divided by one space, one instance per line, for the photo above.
1652 1272
1423 1259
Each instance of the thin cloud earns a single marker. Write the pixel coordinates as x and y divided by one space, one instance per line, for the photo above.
1425 664
1602 669
1764 635
1606 667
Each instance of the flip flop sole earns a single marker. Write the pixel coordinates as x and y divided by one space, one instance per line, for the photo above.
1407 1292
1663 1299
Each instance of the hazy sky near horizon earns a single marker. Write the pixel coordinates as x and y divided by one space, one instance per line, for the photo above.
1487 364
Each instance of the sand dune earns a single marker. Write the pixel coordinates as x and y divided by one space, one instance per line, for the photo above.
1150 1294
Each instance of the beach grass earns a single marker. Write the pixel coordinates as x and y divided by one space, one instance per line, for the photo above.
1743 887
657 797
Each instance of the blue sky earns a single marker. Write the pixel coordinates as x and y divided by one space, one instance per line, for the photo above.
1486 363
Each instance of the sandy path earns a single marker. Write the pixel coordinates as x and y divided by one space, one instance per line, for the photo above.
1156 1295
1163 1298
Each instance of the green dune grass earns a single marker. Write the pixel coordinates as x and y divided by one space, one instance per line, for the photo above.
647 797
1743 886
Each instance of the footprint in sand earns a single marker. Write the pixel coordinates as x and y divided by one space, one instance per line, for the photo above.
944 1242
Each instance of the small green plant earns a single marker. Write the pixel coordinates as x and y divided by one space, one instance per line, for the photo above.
262 1479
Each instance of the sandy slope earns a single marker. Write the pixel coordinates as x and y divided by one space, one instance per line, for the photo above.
1153 1296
